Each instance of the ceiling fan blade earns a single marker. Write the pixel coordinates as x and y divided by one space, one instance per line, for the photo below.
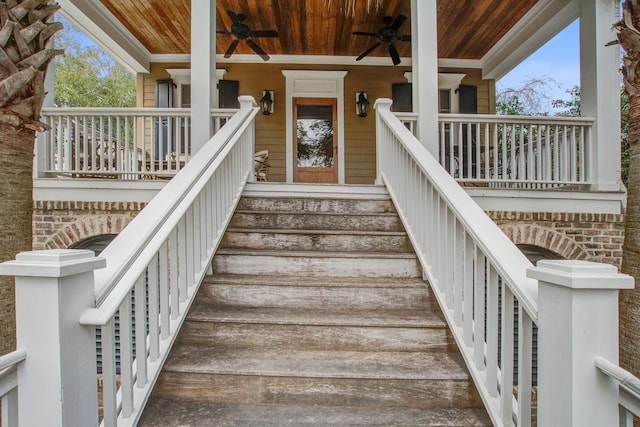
368 51
233 17
257 49
398 22
405 38
264 33
232 48
362 33
395 57
226 33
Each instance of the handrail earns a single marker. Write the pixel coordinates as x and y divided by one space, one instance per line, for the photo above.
629 387
503 151
9 387
155 266
12 359
119 143
122 255
624 377
132 111
477 274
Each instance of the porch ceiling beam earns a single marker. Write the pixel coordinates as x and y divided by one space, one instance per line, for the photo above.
94 20
536 27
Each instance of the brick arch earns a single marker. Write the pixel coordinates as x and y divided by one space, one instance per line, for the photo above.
531 234
87 226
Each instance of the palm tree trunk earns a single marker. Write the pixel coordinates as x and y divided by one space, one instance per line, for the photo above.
629 38
16 207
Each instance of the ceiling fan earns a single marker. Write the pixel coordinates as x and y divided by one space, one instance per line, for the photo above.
241 31
387 34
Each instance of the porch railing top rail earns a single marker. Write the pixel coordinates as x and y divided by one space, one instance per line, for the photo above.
131 251
501 118
629 385
128 111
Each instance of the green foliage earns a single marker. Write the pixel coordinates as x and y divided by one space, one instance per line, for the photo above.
571 108
530 99
85 76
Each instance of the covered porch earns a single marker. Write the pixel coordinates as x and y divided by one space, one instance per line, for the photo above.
443 89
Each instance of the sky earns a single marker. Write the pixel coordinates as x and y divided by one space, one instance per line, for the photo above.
559 60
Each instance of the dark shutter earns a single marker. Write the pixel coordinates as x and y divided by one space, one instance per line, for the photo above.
164 93
468 96
468 99
402 96
228 92
164 99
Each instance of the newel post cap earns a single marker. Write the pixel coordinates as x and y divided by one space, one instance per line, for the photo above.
52 263
577 274
383 104
247 101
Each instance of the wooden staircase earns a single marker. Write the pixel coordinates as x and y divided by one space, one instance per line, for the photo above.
316 315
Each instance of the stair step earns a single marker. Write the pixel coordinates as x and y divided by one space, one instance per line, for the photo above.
316 363
316 221
190 413
319 391
291 329
316 263
312 295
299 204
306 240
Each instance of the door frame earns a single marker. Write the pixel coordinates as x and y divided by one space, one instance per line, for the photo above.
315 84
333 171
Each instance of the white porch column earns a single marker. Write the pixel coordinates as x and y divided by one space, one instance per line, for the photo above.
57 380
600 89
203 71
577 321
424 60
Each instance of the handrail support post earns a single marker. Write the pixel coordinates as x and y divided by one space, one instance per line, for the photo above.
57 382
578 321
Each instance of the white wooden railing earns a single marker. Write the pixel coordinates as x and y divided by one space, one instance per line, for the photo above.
9 387
163 256
124 143
487 292
629 390
153 270
513 151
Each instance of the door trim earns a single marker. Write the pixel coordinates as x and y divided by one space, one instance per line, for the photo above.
315 84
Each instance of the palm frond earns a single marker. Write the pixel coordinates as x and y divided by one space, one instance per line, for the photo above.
348 7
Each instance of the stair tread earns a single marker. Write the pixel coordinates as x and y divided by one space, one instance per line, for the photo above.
315 254
317 317
322 213
316 363
316 231
317 281
192 413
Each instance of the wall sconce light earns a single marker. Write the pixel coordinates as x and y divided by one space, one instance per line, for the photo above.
266 102
362 104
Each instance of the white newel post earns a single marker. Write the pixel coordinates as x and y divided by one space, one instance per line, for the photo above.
57 384
381 104
577 321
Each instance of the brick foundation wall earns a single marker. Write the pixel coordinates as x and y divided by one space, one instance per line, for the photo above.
61 224
590 237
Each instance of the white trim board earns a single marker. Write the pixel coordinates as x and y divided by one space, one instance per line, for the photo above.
314 84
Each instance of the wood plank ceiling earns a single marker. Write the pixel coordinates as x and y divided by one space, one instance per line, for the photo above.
466 29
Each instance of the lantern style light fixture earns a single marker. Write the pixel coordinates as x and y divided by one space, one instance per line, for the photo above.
266 102
362 104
